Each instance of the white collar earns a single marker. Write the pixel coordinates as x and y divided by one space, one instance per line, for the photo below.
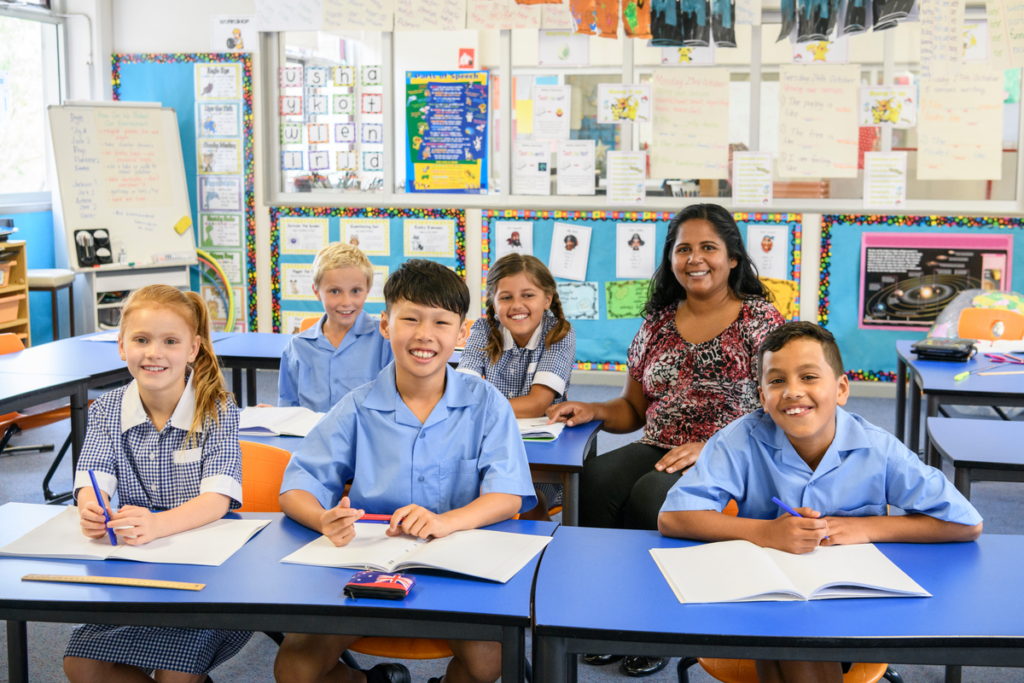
510 343
133 413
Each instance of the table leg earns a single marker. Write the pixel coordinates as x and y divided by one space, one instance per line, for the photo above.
550 661
79 422
513 654
17 651
914 440
901 400
931 456
962 481
250 387
236 385
571 499
572 668
953 674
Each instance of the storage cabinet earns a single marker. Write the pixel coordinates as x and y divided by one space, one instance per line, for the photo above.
14 290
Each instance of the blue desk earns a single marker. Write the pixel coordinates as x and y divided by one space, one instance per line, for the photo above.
254 591
935 380
599 590
996 456
555 462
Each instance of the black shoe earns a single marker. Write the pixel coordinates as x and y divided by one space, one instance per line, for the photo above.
388 673
643 666
600 660
434 680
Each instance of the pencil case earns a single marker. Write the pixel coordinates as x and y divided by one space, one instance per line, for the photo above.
936 348
379 585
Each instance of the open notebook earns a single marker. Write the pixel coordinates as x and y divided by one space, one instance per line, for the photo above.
60 537
296 421
493 555
538 429
739 571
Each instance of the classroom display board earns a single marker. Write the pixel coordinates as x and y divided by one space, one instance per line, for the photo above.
388 237
212 94
603 262
870 353
123 192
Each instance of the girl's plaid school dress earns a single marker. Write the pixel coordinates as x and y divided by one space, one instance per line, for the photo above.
151 469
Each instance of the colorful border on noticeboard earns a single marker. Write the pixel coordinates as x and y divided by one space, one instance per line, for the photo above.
487 216
889 223
247 136
459 215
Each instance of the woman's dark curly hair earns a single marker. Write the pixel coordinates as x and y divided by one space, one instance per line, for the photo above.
665 289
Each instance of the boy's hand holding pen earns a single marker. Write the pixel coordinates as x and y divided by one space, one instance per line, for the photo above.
799 531
336 523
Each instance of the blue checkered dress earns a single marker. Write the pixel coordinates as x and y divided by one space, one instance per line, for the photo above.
151 469
519 368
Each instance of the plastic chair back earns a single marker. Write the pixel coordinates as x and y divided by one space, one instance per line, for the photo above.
307 323
990 324
745 671
9 343
262 472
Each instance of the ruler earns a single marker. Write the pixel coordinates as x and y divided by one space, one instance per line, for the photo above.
115 581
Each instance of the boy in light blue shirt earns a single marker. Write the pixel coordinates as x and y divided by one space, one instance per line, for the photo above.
837 470
438 450
344 349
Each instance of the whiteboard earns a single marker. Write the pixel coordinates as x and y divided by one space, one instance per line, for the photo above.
120 168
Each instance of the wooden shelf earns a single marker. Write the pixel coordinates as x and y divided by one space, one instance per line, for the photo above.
14 323
18 284
13 288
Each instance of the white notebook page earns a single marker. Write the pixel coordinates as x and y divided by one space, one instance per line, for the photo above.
720 572
844 565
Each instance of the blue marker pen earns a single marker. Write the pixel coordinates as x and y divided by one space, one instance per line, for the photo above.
99 499
788 509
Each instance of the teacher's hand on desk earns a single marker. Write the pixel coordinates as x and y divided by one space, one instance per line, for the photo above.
337 523
797 535
572 413
679 458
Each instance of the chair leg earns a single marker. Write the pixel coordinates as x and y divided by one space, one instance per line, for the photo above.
892 676
49 495
56 317
12 431
71 308
683 668
528 675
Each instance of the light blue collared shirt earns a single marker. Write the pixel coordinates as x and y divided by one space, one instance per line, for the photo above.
468 446
316 375
865 469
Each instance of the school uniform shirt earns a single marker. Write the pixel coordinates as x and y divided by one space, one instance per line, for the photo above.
864 469
519 368
469 445
316 375
152 469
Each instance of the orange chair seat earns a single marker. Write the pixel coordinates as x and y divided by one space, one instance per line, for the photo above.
308 323
403 648
32 421
979 323
745 671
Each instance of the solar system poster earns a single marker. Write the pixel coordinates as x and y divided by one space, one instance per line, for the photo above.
907 279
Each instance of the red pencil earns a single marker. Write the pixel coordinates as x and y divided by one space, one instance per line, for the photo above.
370 517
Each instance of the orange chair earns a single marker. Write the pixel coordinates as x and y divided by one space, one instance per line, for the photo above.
990 324
262 471
307 323
745 670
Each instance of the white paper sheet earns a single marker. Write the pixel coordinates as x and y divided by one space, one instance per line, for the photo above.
570 251
577 167
627 175
429 237
752 180
274 421
885 180
513 237
289 15
552 106
371 235
634 251
430 15
818 132
768 246
370 15
303 235
629 103
531 167
690 136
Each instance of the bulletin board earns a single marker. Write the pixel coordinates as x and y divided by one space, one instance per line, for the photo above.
284 258
871 354
602 344
170 79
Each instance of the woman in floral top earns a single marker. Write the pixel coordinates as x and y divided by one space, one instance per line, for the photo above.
692 370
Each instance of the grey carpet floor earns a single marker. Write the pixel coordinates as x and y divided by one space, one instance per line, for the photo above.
1001 504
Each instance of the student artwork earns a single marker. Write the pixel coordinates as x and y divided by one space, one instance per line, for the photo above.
907 279
319 133
627 175
816 19
942 25
218 81
688 56
371 235
291 133
372 103
371 15
768 246
580 300
885 180
513 237
220 230
217 306
447 114
297 281
487 15
556 16
221 157
219 120
570 251
292 161
303 235
376 294
976 41
892 107
316 77
429 237
372 75
431 15
577 167
344 76
634 250
319 160
1007 46
220 193
748 12
752 179
318 105
818 121
690 136
626 298
551 112
291 106
291 77
348 161
372 133
822 52
231 263
562 48
531 167
785 296
961 136
345 132
623 103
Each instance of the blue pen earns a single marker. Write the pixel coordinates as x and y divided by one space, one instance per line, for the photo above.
788 509
99 499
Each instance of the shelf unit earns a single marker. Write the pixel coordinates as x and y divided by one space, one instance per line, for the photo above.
122 279
18 284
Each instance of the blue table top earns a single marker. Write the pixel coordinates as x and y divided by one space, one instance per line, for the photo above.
14 384
994 444
73 356
254 580
937 376
595 581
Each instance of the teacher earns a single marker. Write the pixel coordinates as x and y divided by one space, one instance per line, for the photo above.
692 370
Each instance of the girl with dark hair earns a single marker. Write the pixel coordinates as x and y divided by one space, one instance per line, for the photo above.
692 371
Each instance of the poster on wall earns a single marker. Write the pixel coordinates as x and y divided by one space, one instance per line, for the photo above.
570 251
768 246
907 279
446 131
623 103
580 300
513 237
371 235
634 250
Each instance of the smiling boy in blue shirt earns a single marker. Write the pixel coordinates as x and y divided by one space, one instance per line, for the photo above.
439 449
837 470
344 349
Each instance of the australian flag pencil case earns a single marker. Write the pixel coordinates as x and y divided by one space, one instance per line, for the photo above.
380 585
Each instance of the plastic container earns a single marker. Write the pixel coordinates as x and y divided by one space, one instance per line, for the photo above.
5 272
9 307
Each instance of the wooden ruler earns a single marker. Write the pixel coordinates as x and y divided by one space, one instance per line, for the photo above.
115 581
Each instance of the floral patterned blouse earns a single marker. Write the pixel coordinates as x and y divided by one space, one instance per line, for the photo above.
693 390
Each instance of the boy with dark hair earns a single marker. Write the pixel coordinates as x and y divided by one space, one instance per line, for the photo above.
835 469
440 450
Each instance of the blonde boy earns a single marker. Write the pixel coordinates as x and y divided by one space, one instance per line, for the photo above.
344 349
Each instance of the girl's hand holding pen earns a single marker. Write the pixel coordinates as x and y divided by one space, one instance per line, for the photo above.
94 523
137 525
337 523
